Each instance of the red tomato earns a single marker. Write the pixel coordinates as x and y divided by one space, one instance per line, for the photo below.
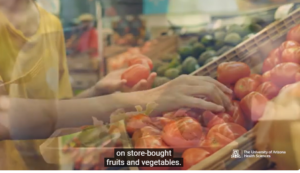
268 89
193 156
231 72
270 63
207 116
160 122
135 73
275 53
145 131
284 73
256 77
183 133
237 114
294 34
266 76
297 77
214 142
245 86
253 106
221 135
291 55
219 119
230 130
288 44
140 59
136 122
151 142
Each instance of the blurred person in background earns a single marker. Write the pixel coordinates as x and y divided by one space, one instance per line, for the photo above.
136 28
88 41
38 95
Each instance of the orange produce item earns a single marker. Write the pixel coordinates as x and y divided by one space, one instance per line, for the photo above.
270 63
231 72
140 59
193 156
135 73
284 73
291 55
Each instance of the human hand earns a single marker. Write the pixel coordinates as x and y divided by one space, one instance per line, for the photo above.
189 92
113 83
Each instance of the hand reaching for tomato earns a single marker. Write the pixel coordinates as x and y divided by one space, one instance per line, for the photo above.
113 83
188 91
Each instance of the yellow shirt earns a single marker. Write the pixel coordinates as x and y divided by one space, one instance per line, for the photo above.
35 67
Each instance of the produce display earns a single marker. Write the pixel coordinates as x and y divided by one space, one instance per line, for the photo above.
207 47
195 134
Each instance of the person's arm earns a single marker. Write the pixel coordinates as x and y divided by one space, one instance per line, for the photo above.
43 117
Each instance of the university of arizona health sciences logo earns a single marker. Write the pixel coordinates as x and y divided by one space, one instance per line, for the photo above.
236 154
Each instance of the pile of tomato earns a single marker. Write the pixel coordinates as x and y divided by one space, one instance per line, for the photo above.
197 135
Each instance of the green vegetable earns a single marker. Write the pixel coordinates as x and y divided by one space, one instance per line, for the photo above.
248 36
162 69
157 64
255 27
208 40
220 35
211 59
233 39
189 65
185 52
223 50
174 63
198 49
172 73
219 44
205 56
160 81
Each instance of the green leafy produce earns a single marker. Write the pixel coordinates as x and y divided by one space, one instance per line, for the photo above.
205 56
189 65
185 52
208 40
210 59
160 81
162 69
172 73
223 50
233 39
198 49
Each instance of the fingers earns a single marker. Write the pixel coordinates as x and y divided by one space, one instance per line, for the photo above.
145 84
151 79
213 94
140 86
193 102
199 80
218 84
